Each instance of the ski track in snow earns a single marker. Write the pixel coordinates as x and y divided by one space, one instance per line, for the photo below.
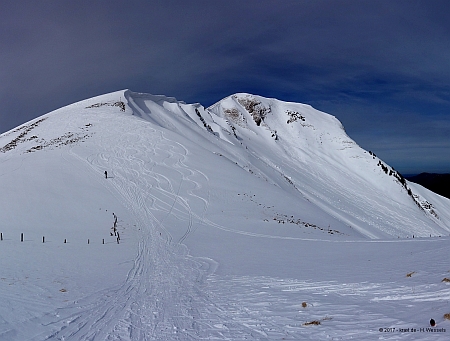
166 297
159 298
162 298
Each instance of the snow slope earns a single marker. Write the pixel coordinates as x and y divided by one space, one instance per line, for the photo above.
246 220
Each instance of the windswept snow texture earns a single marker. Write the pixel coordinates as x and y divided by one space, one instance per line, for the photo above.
253 219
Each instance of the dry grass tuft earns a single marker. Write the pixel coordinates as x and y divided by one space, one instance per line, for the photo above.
446 279
447 316
304 304
410 274
315 323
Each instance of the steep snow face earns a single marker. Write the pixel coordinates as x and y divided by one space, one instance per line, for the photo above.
308 153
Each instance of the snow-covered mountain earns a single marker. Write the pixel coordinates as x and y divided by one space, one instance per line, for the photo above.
247 219
308 155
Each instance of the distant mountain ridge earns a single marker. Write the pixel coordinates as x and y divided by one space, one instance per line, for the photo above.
438 183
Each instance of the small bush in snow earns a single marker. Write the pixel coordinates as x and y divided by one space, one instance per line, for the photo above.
294 116
315 323
21 138
119 104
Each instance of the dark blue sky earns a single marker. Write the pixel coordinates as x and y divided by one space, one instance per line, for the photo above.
381 67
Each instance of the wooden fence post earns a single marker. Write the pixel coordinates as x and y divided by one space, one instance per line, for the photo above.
21 237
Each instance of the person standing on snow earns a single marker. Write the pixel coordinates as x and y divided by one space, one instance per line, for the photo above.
106 175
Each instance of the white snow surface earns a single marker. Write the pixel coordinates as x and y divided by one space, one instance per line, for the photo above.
253 219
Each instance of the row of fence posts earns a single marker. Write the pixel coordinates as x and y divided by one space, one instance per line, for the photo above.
43 238
116 233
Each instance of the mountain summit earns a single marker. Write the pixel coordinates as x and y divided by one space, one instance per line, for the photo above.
292 153
223 222
306 155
